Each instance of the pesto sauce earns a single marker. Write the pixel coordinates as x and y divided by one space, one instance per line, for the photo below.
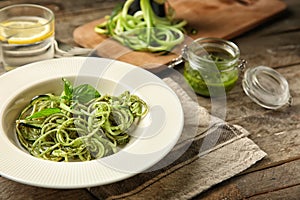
211 83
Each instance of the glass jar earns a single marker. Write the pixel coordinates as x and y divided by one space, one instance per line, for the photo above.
212 66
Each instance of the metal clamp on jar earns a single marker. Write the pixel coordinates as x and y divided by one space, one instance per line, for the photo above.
212 66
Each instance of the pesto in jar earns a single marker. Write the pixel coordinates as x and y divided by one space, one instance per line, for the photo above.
212 80
211 66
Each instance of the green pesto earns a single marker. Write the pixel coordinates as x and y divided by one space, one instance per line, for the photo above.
212 82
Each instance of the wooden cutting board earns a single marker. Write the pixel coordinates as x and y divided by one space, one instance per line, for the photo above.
211 18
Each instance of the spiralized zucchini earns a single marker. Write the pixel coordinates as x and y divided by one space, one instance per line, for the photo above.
144 30
65 128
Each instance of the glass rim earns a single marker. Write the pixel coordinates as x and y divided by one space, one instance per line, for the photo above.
43 8
212 40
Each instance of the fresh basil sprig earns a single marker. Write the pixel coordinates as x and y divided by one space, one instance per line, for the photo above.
82 93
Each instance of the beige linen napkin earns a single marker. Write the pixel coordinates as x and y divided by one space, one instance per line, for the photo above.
208 152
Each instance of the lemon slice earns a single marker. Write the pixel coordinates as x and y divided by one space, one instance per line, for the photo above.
26 30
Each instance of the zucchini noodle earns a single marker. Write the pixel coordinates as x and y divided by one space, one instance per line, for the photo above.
144 30
56 129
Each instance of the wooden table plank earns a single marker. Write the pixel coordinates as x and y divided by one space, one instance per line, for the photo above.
260 184
11 190
281 126
276 44
290 193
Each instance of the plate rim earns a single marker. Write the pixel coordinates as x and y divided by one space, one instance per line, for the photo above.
54 183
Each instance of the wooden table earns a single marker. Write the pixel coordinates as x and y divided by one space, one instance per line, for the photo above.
275 44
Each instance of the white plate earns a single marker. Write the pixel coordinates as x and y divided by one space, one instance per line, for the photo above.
155 136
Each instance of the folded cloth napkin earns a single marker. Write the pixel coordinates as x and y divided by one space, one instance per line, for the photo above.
208 152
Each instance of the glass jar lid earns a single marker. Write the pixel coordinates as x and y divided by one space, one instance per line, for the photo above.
266 87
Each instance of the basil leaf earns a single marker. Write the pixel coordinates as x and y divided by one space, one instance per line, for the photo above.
68 89
44 113
84 93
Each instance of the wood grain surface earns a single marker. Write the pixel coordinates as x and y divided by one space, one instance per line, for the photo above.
275 43
210 18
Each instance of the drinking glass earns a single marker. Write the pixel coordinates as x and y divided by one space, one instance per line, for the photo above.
26 34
